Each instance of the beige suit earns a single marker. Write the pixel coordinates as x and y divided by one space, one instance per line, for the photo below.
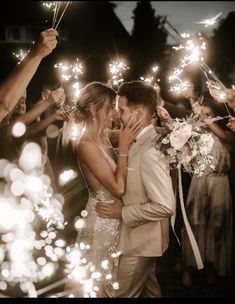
148 204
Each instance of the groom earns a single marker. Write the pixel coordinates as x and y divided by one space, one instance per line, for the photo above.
148 200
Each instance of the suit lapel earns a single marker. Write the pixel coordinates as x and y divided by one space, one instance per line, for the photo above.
135 147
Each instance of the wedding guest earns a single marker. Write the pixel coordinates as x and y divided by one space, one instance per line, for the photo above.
209 207
227 95
231 124
10 144
13 86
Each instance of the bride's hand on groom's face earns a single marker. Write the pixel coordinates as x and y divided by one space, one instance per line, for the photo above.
128 132
110 210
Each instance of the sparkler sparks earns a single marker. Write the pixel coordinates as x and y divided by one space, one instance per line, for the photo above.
49 5
69 72
65 70
151 78
194 54
20 55
82 272
155 68
116 69
178 85
147 79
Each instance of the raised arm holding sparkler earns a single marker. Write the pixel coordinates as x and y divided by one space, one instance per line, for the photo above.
223 95
17 81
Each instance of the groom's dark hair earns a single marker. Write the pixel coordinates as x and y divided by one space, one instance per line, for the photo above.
138 92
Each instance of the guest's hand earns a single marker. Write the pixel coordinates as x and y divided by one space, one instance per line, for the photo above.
231 98
62 113
110 210
231 124
164 115
217 92
197 109
45 94
46 43
56 97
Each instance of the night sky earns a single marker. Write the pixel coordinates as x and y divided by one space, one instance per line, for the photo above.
181 14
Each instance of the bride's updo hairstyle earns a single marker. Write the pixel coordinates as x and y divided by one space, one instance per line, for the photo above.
99 97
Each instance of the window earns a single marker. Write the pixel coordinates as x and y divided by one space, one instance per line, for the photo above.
13 33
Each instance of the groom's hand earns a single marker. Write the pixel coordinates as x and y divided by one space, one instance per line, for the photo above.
111 210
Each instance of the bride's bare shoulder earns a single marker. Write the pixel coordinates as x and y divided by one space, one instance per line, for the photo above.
86 140
86 145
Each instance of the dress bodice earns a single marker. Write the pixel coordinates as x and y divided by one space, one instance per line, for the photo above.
221 157
100 233
96 188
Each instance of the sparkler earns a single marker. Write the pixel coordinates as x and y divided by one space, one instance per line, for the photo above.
49 5
194 54
70 72
116 69
147 79
151 78
65 8
20 55
55 7
65 69
178 85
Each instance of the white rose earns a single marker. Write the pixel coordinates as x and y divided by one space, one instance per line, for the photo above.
178 139
187 130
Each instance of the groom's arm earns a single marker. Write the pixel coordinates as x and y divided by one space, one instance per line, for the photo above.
161 201
158 186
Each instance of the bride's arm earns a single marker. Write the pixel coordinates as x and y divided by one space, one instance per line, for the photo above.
93 158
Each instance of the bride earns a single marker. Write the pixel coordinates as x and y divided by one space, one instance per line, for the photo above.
103 170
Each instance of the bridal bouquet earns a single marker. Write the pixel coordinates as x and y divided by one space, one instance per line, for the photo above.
186 144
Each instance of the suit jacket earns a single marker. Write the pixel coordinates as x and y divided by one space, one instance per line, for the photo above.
148 201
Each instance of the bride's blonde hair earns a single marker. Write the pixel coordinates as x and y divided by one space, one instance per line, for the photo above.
102 98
